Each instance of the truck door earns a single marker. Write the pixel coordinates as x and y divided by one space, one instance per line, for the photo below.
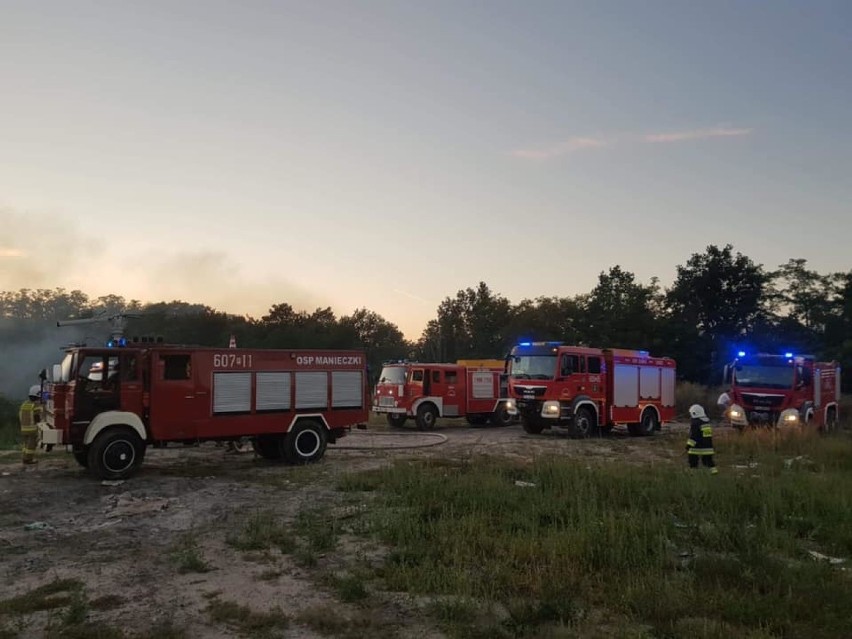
572 373
452 392
178 401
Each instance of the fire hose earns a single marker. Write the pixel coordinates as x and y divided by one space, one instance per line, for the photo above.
437 438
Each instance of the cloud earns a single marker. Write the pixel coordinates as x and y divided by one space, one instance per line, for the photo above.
568 146
11 253
695 134
410 296
582 143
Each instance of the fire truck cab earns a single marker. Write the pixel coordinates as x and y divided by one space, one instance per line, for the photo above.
590 390
426 392
775 389
289 403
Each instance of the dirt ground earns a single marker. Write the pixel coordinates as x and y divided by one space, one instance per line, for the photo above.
120 541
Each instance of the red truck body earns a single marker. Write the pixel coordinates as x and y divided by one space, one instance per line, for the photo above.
290 402
771 389
426 392
590 389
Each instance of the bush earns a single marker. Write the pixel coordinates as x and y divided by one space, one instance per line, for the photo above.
689 393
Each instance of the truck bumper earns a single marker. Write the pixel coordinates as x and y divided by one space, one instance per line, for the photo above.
394 410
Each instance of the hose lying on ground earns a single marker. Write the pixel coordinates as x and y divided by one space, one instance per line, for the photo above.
437 437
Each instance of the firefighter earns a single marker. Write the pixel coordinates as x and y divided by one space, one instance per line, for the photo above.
30 416
699 446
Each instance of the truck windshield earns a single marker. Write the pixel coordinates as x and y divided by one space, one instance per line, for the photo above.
533 367
392 375
757 376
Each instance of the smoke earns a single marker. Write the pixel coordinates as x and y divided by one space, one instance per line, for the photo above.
215 279
34 247
29 347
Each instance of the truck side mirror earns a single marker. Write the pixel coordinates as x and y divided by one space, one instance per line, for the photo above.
726 375
43 374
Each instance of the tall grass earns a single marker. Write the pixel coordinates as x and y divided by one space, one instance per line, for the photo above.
657 544
9 427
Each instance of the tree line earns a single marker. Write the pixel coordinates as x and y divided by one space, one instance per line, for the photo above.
719 302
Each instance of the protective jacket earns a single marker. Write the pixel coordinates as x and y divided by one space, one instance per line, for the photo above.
700 440
29 415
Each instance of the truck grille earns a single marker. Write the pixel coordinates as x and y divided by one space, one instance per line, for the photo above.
529 392
763 402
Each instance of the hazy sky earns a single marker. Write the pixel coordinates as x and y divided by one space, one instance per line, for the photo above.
387 154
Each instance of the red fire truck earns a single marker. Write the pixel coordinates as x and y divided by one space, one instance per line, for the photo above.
426 392
590 390
781 390
290 403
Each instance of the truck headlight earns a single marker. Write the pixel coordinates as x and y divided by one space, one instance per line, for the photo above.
510 406
550 409
789 417
737 415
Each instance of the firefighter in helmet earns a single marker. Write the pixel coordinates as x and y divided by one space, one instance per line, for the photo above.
29 416
699 446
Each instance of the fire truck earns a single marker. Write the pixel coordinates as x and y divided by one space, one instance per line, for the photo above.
426 392
590 390
781 389
290 403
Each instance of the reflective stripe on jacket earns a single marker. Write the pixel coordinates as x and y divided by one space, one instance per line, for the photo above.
700 440
29 416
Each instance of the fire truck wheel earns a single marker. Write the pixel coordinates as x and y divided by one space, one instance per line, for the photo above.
531 425
501 417
648 425
584 423
305 443
427 415
116 453
396 420
268 447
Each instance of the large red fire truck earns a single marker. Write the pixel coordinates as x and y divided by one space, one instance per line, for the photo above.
590 390
426 392
291 403
774 389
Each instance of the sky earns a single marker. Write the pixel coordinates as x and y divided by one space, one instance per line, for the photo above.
387 154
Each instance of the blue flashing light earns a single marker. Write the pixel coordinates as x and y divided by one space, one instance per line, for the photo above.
121 341
525 344
788 355
741 354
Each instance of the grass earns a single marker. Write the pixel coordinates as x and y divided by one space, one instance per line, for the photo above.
682 553
187 555
56 594
263 531
246 621
330 621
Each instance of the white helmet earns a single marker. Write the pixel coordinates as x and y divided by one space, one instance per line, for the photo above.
696 411
35 390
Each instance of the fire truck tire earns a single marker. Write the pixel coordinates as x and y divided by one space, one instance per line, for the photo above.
648 426
532 426
82 457
116 453
584 424
501 417
396 421
831 420
268 447
305 443
477 420
427 415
